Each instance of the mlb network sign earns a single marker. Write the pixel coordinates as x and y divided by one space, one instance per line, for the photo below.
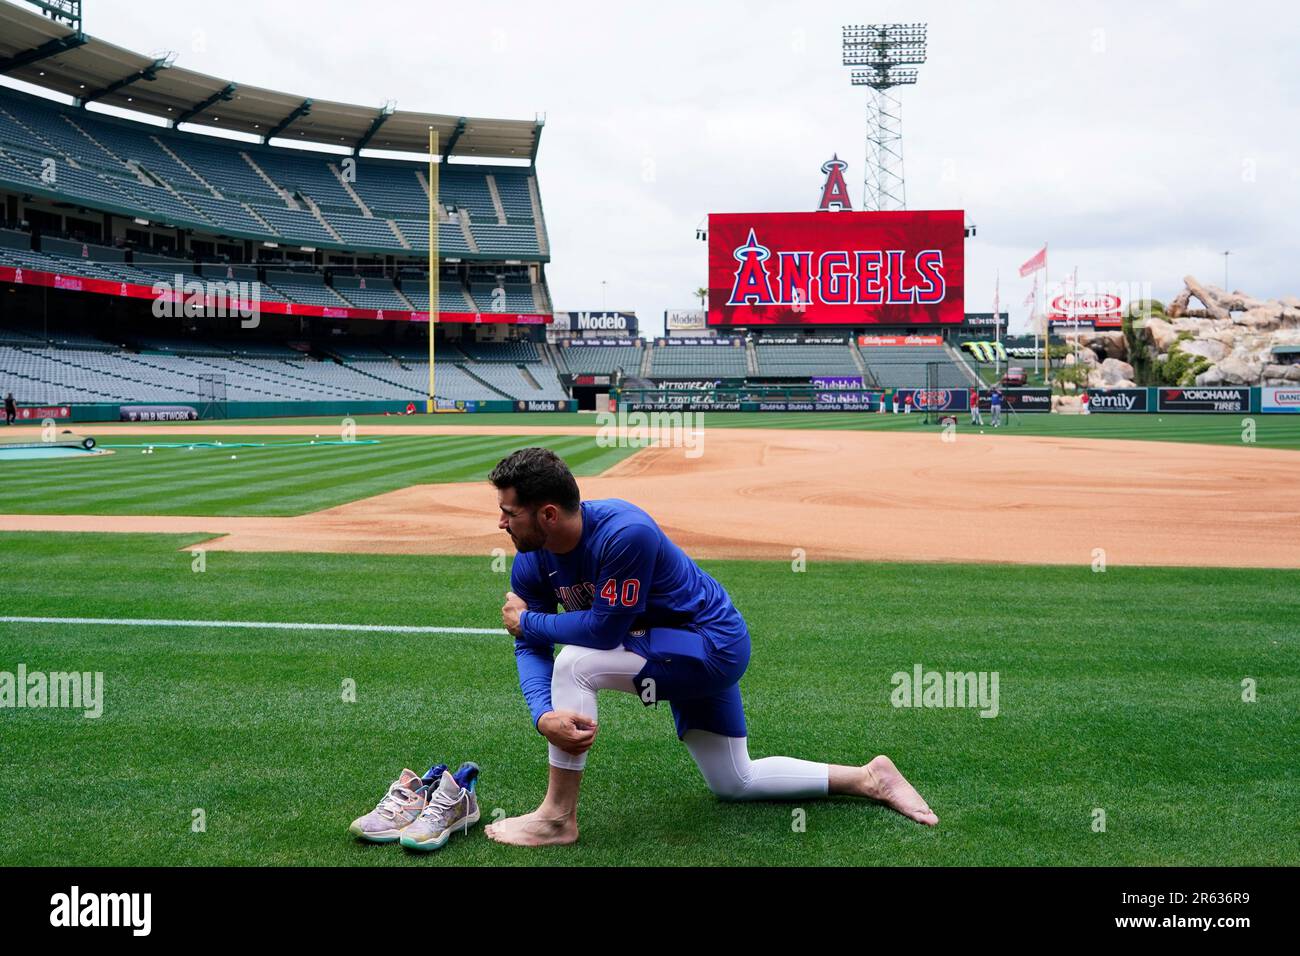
845 268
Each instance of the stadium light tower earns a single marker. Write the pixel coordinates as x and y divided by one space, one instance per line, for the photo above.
67 12
887 54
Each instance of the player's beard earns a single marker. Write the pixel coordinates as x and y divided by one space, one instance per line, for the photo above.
534 541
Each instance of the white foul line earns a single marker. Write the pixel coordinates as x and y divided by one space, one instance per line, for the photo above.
256 625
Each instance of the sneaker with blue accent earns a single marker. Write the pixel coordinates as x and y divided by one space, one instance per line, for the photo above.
406 798
452 807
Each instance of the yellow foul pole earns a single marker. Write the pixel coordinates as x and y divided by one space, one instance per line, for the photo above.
433 258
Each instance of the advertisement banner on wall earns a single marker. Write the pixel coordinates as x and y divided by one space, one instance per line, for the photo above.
846 268
837 382
1203 399
827 399
986 320
595 322
864 405
683 406
1276 398
1117 400
1028 399
543 405
934 399
724 342
893 341
157 413
1089 310
685 319
42 412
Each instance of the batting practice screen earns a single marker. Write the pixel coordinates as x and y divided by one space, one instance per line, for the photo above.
841 268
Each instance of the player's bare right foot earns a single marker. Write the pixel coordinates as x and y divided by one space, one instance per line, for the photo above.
539 828
883 782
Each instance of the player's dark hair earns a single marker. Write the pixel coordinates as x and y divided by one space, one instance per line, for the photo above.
539 476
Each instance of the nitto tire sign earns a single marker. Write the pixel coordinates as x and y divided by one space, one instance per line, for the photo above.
1204 399
1112 400
674 406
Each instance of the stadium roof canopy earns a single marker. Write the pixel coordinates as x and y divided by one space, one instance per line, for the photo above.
47 53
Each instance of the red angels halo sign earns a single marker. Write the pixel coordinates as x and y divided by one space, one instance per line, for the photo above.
846 268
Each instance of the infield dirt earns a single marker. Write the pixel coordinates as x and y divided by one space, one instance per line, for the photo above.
861 495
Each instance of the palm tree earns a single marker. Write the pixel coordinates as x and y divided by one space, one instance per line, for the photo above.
703 295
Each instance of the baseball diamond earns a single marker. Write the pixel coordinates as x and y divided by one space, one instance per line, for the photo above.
390 490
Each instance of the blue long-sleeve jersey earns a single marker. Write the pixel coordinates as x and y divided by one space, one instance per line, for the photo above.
624 575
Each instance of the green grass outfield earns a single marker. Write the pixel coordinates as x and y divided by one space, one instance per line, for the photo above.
1270 431
291 477
1119 691
287 477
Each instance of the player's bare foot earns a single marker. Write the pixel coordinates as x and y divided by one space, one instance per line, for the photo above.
883 782
542 827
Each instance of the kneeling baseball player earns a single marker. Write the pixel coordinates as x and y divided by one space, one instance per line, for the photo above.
640 617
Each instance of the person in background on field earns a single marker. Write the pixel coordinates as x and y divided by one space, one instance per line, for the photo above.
907 404
995 406
11 409
895 401
975 417
884 400
1083 403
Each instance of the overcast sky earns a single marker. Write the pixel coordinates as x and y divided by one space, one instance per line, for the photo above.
1139 140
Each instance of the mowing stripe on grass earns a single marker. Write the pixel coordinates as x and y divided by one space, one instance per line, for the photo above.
256 625
265 482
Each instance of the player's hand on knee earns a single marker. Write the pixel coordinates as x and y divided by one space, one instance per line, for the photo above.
569 730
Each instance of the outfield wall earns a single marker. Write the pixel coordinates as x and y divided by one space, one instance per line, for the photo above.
115 411
1227 400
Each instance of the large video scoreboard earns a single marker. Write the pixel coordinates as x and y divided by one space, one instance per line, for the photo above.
836 268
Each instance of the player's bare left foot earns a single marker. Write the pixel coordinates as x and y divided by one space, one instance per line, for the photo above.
881 781
542 827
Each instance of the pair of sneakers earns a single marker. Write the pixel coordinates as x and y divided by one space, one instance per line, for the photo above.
423 812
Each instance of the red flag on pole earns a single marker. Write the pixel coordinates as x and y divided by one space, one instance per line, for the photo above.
1036 262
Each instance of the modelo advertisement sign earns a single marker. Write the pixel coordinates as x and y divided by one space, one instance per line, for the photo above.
1274 398
595 322
837 268
1117 400
685 319
535 405
593 343
1203 399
